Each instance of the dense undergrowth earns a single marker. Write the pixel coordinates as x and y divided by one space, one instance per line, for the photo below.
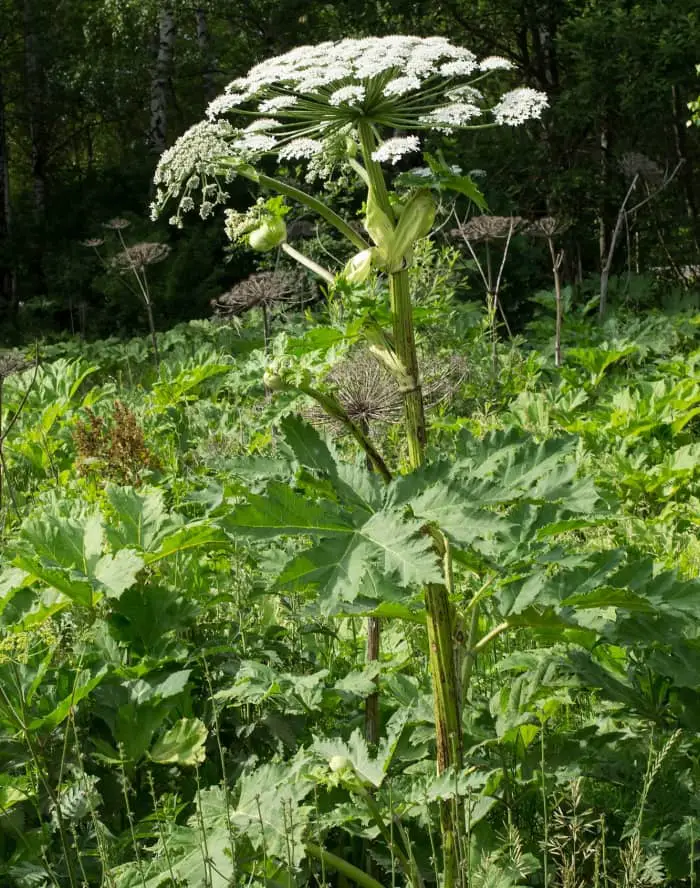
189 562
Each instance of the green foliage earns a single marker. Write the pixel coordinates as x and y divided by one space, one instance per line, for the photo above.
182 662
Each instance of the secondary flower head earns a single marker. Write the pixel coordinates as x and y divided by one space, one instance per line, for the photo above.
314 96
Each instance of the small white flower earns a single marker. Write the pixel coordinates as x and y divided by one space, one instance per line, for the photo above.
300 149
375 64
495 63
402 85
394 149
426 172
346 95
458 68
520 105
224 103
448 116
278 103
322 76
261 125
465 94
254 144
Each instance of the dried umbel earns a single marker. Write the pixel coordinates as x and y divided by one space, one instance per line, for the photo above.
117 224
369 393
138 256
93 242
12 362
302 105
633 163
548 227
488 228
114 449
263 289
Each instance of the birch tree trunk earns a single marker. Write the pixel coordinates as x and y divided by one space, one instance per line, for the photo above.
204 45
161 78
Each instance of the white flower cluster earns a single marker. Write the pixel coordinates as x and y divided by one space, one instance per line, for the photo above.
519 105
192 165
392 150
302 101
456 114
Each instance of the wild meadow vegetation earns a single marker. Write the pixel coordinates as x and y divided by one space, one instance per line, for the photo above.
191 563
386 571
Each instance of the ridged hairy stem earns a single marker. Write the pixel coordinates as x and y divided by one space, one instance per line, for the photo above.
405 345
342 866
439 617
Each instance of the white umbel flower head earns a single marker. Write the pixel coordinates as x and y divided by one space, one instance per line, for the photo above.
311 96
394 149
299 149
519 105
495 63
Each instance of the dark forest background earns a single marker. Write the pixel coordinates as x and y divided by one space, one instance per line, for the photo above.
92 91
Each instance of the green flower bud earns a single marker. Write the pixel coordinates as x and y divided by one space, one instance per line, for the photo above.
268 235
339 763
358 269
272 381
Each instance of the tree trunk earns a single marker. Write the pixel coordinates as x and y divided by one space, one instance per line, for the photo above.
161 78
35 95
602 215
686 172
8 302
204 44
36 106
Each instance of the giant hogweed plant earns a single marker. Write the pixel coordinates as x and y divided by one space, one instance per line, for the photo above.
341 104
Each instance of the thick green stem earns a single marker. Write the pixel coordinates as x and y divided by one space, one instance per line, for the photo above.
405 345
308 201
342 866
448 727
377 182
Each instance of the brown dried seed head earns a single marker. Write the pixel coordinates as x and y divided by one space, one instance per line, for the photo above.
634 163
92 242
548 227
116 224
264 288
488 228
136 258
369 394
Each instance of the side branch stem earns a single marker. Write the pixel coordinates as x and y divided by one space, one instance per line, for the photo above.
307 200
